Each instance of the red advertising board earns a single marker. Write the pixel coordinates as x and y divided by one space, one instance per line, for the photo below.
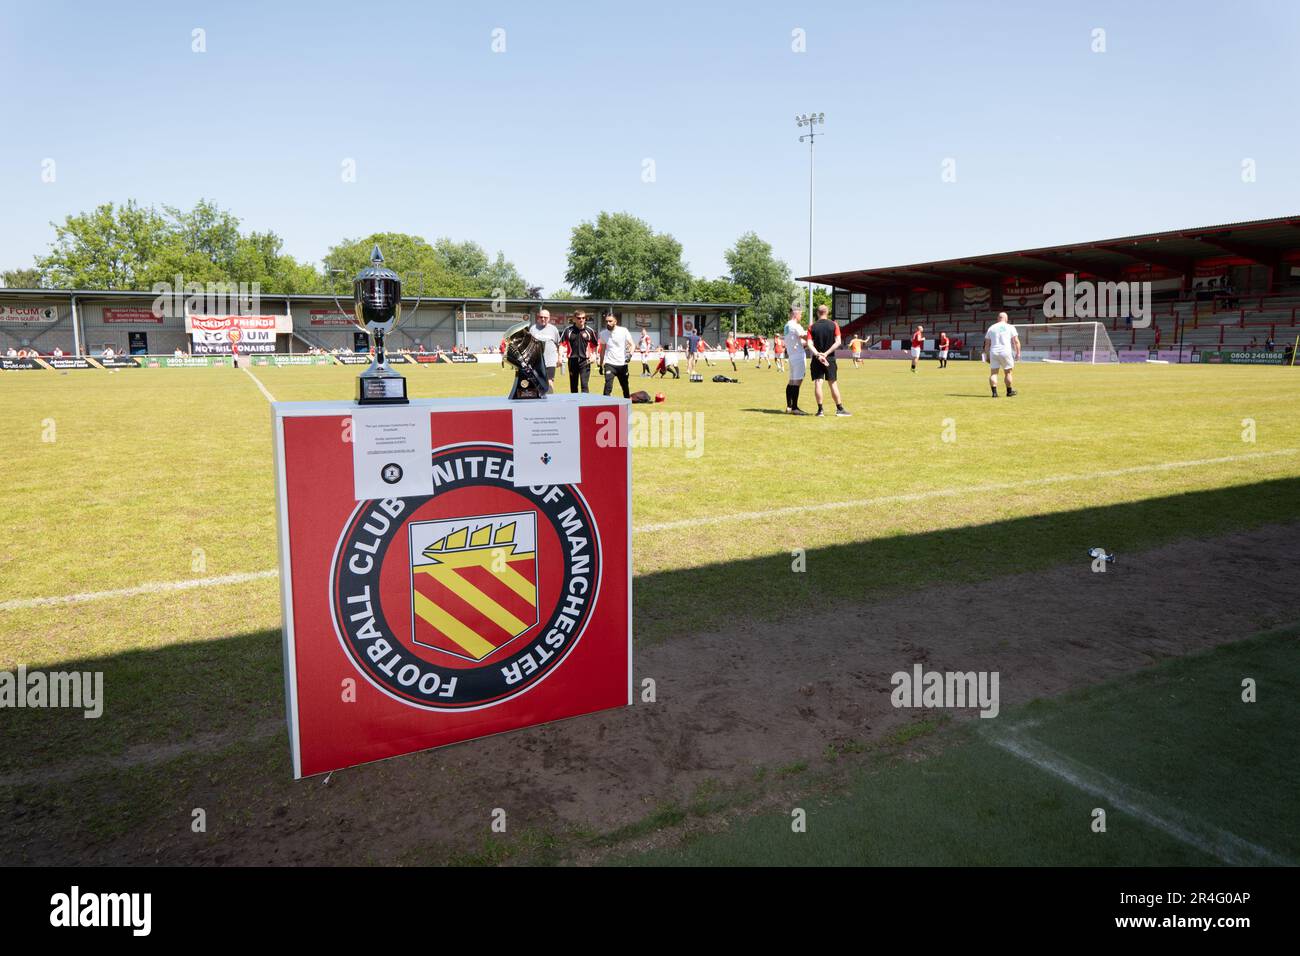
131 316
416 622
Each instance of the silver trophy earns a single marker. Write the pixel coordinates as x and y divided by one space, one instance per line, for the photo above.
377 305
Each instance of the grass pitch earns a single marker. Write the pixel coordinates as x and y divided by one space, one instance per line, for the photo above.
114 481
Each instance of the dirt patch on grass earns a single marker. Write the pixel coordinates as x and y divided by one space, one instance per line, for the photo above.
752 702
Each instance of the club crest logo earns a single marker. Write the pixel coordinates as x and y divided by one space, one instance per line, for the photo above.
473 583
470 596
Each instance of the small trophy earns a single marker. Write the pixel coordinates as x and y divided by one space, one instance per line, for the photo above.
528 356
377 305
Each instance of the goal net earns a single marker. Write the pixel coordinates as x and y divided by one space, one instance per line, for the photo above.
1065 342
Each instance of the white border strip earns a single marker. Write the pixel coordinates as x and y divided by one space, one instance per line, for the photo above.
286 595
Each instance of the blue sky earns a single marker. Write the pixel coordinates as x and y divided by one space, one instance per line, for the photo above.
1051 141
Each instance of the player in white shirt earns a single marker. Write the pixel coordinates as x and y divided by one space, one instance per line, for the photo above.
543 331
795 342
643 347
616 345
1001 351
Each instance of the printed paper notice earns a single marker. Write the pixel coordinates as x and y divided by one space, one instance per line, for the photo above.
392 452
547 449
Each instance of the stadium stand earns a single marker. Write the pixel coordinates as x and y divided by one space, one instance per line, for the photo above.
1226 287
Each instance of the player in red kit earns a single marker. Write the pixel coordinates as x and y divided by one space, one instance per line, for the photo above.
918 341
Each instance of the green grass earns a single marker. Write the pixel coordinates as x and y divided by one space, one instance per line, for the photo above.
166 475
1178 738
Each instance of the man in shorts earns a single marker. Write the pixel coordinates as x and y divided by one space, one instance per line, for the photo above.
731 350
795 337
778 346
643 346
823 340
1001 350
855 344
943 350
918 341
692 349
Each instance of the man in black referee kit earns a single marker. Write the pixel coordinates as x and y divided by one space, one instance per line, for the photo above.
823 340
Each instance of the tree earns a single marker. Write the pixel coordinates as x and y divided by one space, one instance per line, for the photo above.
620 257
716 290
491 277
110 247
133 247
767 278
22 278
411 257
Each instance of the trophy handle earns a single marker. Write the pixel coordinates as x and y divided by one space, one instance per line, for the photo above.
331 273
416 308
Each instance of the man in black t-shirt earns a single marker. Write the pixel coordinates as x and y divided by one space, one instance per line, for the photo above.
579 339
823 340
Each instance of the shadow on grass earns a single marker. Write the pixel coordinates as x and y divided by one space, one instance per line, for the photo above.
202 690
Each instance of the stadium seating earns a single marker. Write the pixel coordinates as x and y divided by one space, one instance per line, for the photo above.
1192 323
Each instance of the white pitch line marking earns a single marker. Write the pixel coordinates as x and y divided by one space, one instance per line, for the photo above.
1220 844
693 522
258 382
745 516
155 587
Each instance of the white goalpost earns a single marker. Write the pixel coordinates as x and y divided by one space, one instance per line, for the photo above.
1085 342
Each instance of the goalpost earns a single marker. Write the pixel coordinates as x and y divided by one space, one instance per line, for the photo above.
1066 342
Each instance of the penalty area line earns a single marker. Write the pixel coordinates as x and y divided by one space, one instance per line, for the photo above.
1223 846
153 588
746 516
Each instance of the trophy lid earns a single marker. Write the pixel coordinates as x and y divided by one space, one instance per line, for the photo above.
377 292
376 269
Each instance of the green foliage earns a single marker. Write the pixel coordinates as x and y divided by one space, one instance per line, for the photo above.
716 290
448 268
411 257
132 247
470 261
22 278
620 257
767 278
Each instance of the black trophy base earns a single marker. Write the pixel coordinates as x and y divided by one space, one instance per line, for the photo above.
527 387
388 390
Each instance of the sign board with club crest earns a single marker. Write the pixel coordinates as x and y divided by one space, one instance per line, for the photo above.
417 622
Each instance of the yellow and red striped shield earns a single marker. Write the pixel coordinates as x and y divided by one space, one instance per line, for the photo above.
473 582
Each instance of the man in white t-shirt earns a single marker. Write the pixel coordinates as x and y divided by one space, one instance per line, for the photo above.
543 331
1001 351
615 349
795 338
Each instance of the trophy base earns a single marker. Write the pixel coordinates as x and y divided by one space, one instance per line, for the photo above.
386 390
526 388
